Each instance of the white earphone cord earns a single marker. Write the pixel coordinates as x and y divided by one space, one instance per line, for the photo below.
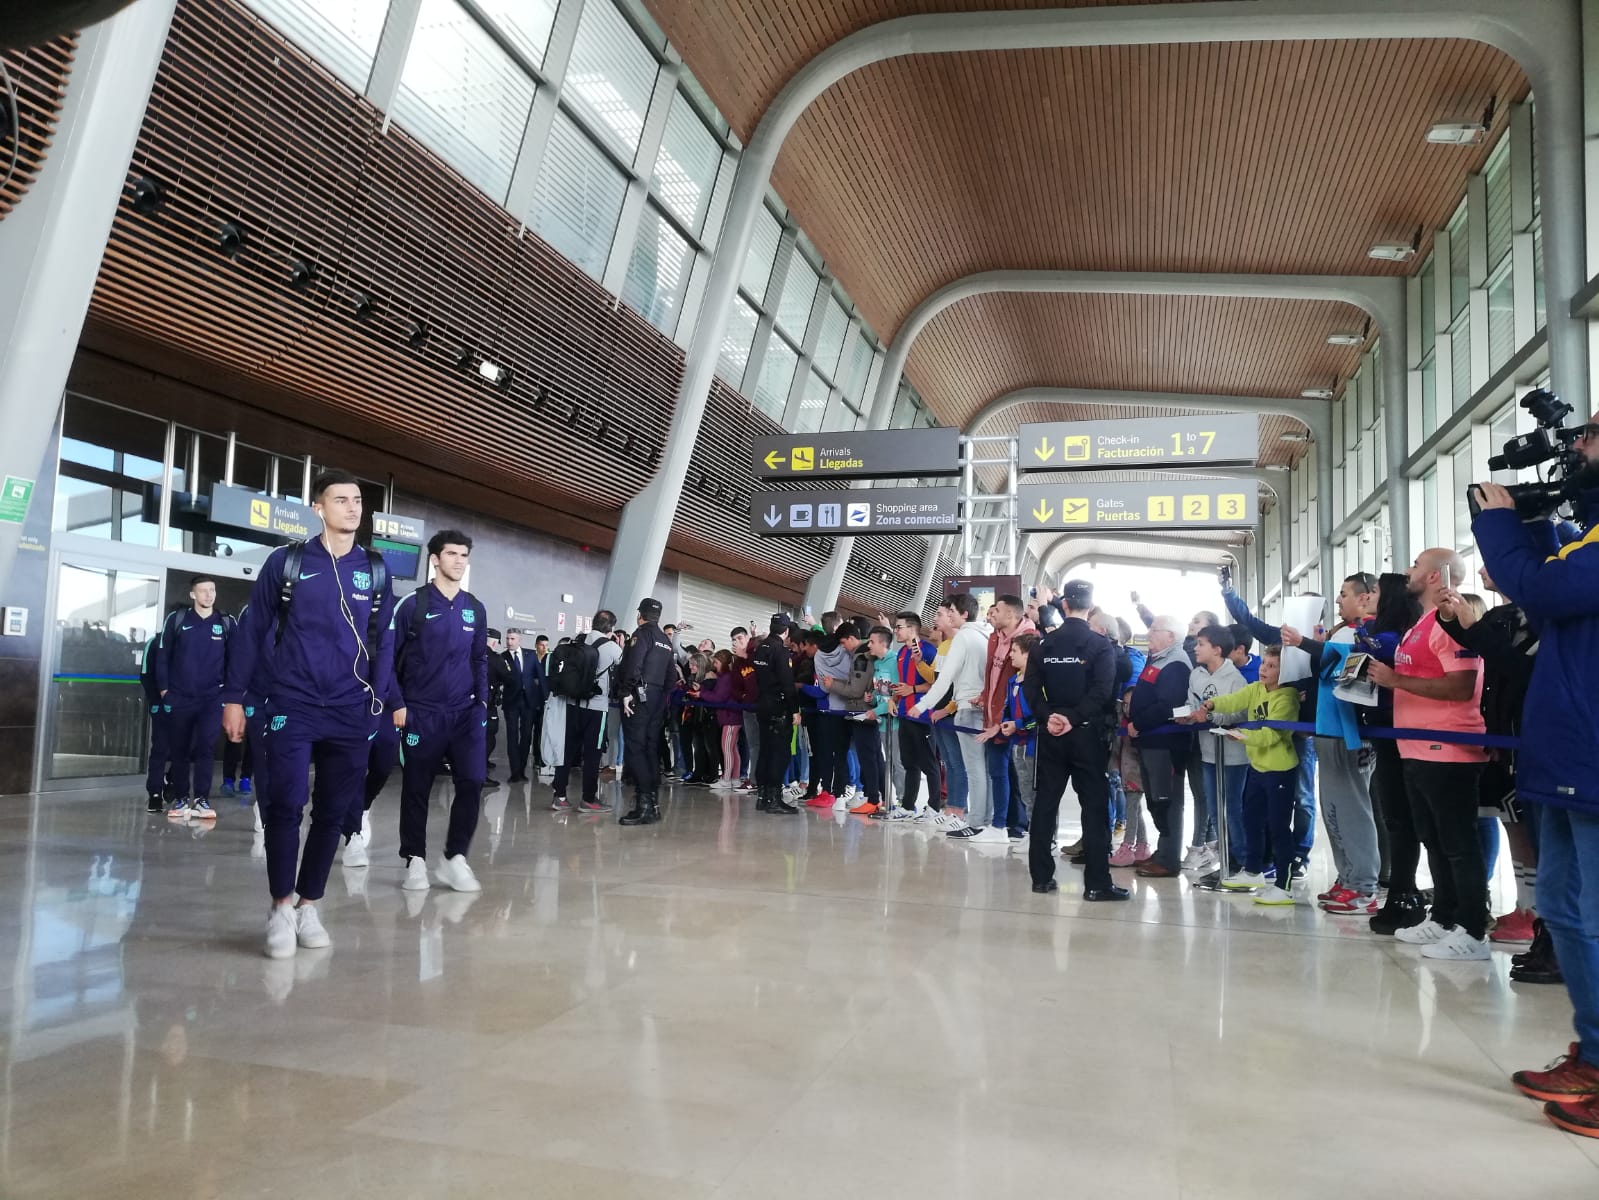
376 707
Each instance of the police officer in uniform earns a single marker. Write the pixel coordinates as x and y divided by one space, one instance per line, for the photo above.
776 715
646 682
1068 685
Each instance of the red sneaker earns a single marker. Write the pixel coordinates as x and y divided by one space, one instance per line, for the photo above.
1568 1080
1580 1117
1515 927
864 809
1353 902
822 800
1339 892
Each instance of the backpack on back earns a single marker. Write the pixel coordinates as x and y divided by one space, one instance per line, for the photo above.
573 670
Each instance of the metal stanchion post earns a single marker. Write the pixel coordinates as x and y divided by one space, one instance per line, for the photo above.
1212 882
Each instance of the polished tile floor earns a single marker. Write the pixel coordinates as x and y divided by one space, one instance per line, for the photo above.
735 1006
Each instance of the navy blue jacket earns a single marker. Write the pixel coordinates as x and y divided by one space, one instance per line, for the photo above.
1558 589
533 686
322 660
191 656
441 651
1161 687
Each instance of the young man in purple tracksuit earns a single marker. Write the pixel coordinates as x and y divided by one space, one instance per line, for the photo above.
315 655
441 690
189 661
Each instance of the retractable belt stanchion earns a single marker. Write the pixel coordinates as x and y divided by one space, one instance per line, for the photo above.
1212 882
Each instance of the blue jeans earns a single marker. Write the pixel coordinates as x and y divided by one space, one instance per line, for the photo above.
799 764
1271 795
854 766
998 759
1305 800
1568 902
1118 799
948 744
1234 778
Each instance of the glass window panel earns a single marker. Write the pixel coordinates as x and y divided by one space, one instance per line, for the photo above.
1460 358
776 377
1499 207
830 343
1501 431
735 352
1459 263
1537 275
1429 401
685 169
1341 439
858 363
464 96
904 415
340 34
702 101
1379 450
109 459
658 273
1429 508
763 253
799 293
1368 396
1465 473
1501 317
578 198
813 405
610 77
526 24
1429 294
720 195
840 415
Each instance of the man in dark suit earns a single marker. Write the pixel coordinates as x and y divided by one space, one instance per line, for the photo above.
524 697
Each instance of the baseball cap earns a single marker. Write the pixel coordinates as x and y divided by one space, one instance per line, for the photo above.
649 608
1078 594
779 624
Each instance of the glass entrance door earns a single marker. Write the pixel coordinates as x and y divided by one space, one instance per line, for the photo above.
97 721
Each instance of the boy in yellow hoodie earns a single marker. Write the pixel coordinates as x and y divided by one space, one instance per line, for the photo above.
1273 772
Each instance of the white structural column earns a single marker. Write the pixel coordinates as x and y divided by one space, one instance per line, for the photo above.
1382 298
1543 36
546 101
51 244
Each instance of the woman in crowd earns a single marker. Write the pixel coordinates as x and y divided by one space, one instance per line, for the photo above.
1395 612
720 695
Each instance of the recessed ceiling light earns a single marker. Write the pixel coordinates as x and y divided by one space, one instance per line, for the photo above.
1457 133
1392 252
497 375
1317 393
147 196
1346 339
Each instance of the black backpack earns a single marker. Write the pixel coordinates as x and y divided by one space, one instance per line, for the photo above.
573 670
292 562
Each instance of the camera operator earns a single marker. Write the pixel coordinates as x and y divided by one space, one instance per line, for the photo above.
1558 766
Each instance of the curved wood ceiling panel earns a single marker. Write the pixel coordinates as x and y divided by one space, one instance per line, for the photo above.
38 78
982 348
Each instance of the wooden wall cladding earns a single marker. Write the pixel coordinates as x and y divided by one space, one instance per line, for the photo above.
39 78
243 128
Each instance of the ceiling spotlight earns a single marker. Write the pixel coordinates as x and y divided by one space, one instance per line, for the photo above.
883 576
231 238
1346 339
147 196
361 306
416 334
301 274
1317 393
499 376
463 358
1392 252
1462 133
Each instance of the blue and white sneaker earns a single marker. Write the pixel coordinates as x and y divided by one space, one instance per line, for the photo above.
178 809
244 785
201 810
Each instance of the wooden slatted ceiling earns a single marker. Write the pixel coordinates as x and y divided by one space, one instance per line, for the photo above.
39 77
243 127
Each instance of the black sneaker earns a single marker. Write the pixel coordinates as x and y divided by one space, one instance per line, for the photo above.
1298 868
1401 911
155 804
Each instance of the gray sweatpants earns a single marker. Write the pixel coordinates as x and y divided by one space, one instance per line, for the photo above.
1344 777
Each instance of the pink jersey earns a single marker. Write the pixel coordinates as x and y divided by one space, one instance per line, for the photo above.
1427 652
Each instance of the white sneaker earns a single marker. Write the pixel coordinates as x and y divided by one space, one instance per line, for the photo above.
1244 881
1194 860
355 854
993 835
312 935
1274 895
259 827
366 828
454 873
1457 946
845 802
416 875
724 785
282 932
852 794
1425 934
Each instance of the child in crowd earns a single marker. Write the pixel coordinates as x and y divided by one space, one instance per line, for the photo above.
1215 674
729 720
1273 774
1018 726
